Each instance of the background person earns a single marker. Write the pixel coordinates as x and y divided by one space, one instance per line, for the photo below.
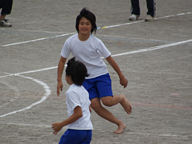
6 6
136 10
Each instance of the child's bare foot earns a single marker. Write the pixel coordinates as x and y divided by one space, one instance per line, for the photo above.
126 105
120 129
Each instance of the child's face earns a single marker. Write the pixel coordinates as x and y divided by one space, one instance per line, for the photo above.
85 26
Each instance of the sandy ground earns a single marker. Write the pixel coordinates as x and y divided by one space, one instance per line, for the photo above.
154 56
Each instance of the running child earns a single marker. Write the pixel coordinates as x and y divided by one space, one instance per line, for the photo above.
78 105
88 49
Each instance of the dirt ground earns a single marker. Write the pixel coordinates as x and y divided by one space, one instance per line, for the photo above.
154 56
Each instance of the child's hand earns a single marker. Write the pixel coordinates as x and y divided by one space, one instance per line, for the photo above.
59 87
124 82
56 127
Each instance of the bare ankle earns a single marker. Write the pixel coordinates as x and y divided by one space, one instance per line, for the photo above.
122 98
120 128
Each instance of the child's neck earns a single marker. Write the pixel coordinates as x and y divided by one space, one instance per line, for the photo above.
83 37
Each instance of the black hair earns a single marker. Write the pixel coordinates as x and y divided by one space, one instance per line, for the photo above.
88 15
77 71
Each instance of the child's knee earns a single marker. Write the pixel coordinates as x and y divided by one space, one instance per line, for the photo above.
95 105
106 101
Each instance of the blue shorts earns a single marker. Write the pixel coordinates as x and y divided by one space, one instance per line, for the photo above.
98 87
76 137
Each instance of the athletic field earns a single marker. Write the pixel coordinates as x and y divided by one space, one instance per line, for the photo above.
154 56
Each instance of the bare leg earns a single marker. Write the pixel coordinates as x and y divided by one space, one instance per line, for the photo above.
104 113
110 101
2 17
126 105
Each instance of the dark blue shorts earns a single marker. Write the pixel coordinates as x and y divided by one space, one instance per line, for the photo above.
98 87
76 137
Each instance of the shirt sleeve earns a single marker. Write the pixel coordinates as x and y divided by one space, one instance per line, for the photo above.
73 100
65 50
103 49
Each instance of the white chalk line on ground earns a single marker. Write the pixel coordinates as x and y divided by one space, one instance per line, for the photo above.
112 26
155 48
103 27
47 89
33 31
33 71
14 89
46 95
132 38
35 40
115 55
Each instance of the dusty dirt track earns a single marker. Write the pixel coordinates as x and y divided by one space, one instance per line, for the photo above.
154 56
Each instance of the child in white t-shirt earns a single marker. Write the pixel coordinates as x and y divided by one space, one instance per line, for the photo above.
88 49
78 105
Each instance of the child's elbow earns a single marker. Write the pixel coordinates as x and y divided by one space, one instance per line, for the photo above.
80 115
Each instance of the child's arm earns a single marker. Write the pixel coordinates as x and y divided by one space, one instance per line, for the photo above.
61 66
75 116
123 80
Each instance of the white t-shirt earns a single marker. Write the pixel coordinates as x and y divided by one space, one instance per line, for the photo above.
89 52
78 96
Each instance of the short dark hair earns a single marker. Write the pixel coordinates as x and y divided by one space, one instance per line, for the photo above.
88 15
77 71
